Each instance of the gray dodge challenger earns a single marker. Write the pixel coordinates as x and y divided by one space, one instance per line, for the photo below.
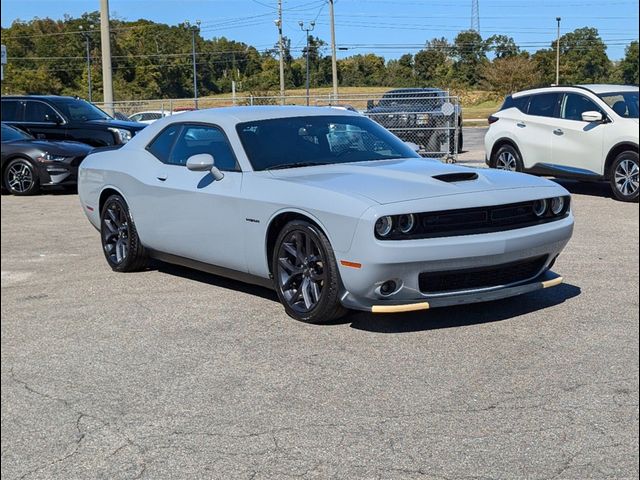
326 207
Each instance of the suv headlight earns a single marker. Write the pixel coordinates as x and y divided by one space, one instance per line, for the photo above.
122 135
422 118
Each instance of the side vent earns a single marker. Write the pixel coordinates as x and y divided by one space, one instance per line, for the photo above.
456 177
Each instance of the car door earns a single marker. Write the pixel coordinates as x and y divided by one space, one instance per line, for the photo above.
577 145
42 121
188 213
534 131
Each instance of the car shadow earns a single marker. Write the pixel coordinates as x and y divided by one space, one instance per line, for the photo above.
593 189
463 315
214 280
446 317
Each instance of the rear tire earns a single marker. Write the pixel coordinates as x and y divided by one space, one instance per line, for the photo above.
120 243
623 177
306 274
507 158
21 178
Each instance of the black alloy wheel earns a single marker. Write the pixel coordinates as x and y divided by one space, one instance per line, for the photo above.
306 273
21 178
120 242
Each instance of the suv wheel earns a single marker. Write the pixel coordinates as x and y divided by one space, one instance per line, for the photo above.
507 158
624 177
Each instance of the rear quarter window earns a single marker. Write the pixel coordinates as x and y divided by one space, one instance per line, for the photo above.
11 111
520 103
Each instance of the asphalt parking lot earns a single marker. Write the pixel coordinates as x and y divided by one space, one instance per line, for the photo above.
171 373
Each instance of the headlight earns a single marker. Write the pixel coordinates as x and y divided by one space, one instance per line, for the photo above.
406 222
540 207
557 205
47 157
122 135
384 225
422 119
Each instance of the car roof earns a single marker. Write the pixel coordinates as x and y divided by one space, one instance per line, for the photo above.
253 113
593 88
41 97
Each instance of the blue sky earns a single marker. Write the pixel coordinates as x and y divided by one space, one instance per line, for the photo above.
386 27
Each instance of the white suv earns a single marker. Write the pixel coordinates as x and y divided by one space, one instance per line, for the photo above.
584 132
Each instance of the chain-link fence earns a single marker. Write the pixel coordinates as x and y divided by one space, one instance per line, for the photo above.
430 119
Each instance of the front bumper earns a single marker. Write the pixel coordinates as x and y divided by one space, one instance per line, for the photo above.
404 261
59 173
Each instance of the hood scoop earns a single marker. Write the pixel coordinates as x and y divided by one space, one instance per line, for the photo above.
456 177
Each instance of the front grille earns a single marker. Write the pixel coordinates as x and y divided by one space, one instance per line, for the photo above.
486 277
477 220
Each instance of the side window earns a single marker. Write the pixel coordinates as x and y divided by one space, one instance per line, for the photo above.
543 105
11 111
520 103
574 105
195 139
161 145
39 112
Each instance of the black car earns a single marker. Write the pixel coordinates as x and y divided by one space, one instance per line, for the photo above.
66 118
28 164
423 116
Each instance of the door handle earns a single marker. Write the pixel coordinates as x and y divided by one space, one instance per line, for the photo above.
162 177
520 124
558 131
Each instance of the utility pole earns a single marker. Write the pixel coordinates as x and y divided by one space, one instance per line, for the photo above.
307 29
558 53
105 45
87 39
281 50
334 60
194 29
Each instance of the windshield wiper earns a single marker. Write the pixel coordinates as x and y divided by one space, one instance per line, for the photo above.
281 166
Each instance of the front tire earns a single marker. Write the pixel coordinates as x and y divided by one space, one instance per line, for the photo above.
120 242
624 177
21 177
507 158
306 274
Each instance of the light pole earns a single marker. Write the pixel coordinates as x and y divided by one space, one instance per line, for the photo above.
307 29
334 60
87 38
558 53
194 29
281 50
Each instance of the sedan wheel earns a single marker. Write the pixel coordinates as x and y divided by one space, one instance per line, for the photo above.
624 177
21 178
306 274
120 242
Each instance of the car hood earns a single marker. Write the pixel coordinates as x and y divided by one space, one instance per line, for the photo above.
391 181
67 149
118 124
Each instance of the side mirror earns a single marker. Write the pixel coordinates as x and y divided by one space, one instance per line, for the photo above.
369 104
591 116
203 162
413 146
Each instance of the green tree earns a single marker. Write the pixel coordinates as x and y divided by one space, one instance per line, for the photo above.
629 65
583 57
502 46
470 54
510 74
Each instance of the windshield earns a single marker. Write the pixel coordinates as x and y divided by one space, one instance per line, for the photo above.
318 140
624 104
77 110
10 134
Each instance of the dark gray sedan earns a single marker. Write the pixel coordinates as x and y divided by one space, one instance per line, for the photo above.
29 164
